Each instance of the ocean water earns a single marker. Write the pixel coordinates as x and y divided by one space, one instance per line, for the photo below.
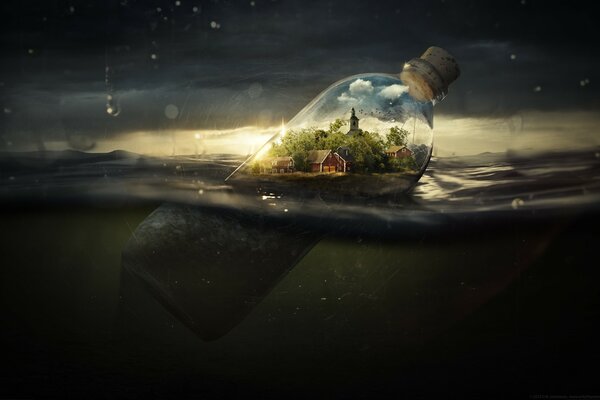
482 184
480 281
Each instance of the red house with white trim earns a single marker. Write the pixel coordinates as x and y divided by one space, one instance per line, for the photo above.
398 152
325 161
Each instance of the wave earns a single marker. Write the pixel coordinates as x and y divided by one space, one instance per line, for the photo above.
488 186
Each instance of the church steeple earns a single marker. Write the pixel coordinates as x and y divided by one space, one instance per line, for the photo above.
353 124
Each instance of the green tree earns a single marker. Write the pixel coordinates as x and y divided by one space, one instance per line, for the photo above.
401 164
297 144
396 137
336 125
368 150
321 135
334 140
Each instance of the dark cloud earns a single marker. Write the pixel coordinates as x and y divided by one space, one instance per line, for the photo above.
204 56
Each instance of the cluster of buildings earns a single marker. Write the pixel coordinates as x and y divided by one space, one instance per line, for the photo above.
328 161
318 161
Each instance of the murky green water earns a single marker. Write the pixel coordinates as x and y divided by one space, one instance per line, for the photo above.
510 310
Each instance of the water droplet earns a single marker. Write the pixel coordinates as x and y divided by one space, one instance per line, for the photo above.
513 56
112 110
537 89
171 111
153 56
195 9
30 51
177 3
158 9
517 203
215 25
252 3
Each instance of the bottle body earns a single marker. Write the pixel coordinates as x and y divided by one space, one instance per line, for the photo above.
365 136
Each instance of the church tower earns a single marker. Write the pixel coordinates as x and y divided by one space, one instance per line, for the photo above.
353 124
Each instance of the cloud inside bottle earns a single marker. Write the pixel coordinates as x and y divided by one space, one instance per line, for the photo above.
392 92
381 97
362 90
357 91
361 87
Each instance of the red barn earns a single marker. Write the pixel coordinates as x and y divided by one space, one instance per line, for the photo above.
398 152
325 161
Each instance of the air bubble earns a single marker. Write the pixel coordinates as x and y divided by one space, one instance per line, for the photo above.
517 203
255 90
171 111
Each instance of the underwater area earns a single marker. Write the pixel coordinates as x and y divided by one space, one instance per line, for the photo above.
480 281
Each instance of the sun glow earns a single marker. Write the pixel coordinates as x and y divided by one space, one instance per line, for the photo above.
282 130
454 136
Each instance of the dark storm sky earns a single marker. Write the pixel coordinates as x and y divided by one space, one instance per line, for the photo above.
226 64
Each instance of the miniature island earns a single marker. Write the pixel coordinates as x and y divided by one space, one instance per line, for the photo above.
337 162
316 151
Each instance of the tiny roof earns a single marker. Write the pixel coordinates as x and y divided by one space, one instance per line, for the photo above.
317 156
282 161
394 149
345 154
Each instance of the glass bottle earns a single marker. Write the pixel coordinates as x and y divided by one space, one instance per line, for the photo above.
366 136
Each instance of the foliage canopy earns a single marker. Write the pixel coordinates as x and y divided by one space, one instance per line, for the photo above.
367 148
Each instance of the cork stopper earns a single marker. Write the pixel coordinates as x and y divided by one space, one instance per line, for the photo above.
429 76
